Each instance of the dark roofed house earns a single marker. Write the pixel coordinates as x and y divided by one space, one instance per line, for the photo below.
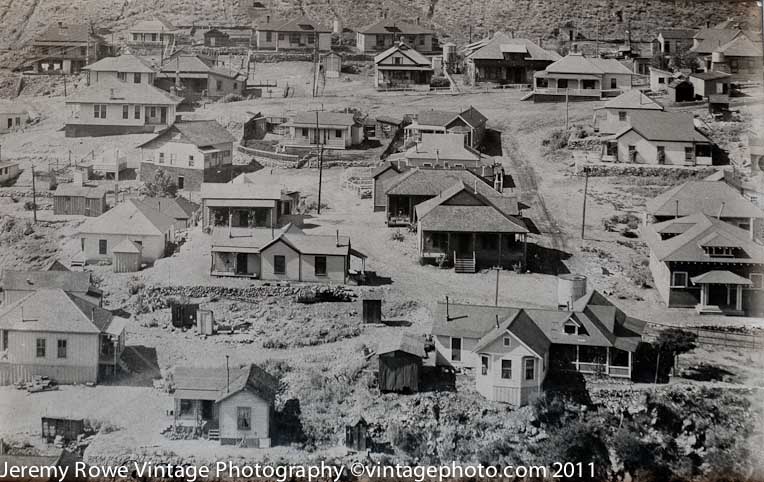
656 137
470 122
300 33
195 76
702 262
80 199
67 48
384 33
336 130
506 60
58 334
188 152
401 66
512 349
233 405
179 208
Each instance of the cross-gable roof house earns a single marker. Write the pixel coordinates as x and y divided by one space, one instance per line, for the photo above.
581 78
384 33
401 66
618 110
506 60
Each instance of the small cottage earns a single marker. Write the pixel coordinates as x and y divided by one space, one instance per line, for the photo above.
126 68
384 33
9 170
401 66
659 79
471 123
19 284
617 111
710 83
77 198
330 130
447 150
233 405
400 364
155 33
12 116
296 34
577 77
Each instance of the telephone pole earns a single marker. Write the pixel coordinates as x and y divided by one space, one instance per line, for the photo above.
320 151
583 211
34 198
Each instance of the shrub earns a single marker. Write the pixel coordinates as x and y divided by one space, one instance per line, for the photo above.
231 98
557 140
397 235
440 82
29 205
135 285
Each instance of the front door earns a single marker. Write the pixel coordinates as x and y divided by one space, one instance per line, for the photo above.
207 409
163 115
717 295
241 263
243 218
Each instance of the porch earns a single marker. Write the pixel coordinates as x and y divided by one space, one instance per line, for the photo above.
400 209
240 264
241 217
200 416
601 360
721 292
303 141
397 77
112 344
468 252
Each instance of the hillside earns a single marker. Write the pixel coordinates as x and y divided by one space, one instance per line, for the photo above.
21 20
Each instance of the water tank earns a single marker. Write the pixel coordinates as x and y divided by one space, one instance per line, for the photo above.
570 287
337 26
717 57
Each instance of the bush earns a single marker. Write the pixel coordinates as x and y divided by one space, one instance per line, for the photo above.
397 235
557 140
29 205
440 82
231 98
135 285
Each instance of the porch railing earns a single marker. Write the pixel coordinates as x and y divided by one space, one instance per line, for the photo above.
570 92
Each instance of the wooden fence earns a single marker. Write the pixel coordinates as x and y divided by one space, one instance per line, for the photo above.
713 338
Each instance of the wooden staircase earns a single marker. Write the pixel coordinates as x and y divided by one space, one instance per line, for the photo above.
213 434
464 264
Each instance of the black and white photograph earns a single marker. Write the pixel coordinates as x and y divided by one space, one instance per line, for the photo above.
382 240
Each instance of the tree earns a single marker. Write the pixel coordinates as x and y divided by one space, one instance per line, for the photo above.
658 61
673 342
684 59
161 185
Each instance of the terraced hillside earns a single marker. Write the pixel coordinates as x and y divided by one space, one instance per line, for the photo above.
21 20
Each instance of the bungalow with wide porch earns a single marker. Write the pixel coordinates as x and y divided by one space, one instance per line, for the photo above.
655 137
705 263
126 68
617 111
418 185
400 67
581 78
469 122
384 33
506 60
470 230
194 76
301 33
286 254
233 405
152 33
57 334
330 130
248 205
510 350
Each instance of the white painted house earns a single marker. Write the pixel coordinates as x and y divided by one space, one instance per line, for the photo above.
125 68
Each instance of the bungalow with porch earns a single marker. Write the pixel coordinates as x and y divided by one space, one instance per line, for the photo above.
443 150
383 34
187 151
248 205
300 33
469 122
617 111
713 198
506 60
126 68
467 228
112 107
286 254
510 350
194 76
655 137
57 334
67 48
234 406
330 130
401 66
581 78
153 33
705 263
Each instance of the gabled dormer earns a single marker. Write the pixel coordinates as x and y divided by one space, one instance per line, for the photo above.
717 245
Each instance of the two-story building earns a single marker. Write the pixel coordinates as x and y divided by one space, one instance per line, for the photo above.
670 41
330 130
656 137
67 48
581 78
186 151
126 68
156 32
506 60
614 115
112 107
383 34
195 76
730 50
301 33
401 66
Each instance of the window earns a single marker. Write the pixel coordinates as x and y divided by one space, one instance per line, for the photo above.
613 83
83 51
269 36
5 339
120 76
661 154
320 266
219 84
757 279
61 349
125 111
632 153
294 38
243 418
420 40
40 347
161 158
562 83
311 39
530 368
99 111
82 244
279 264
679 279
235 86
153 112
456 349
137 114
507 341
181 182
338 133
661 80
666 48
689 155
622 116
102 246
397 60
483 365
570 328
10 123
190 161
506 369
137 78
173 158
281 36
153 37
304 132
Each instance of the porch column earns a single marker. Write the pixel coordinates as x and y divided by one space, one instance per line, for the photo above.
500 240
703 294
739 297
607 361
411 208
577 357
629 364
525 251
474 243
729 293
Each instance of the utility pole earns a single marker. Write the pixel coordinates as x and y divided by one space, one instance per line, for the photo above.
315 65
583 211
496 296
34 198
566 111
319 148
597 40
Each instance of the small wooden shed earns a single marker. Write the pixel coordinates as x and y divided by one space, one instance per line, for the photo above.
357 434
400 363
68 429
126 257
372 310
681 90
332 63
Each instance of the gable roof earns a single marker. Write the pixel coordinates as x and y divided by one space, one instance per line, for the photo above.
217 384
705 230
710 75
177 208
705 197
576 63
521 326
123 63
75 281
54 310
677 33
156 24
77 33
248 191
495 48
405 343
406 50
112 91
741 46
446 147
126 246
197 132
442 118
131 217
632 99
324 119
710 39
721 277
75 190
388 164
396 27
299 24
664 126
